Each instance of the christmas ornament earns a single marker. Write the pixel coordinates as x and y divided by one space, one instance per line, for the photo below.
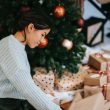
41 1
80 22
43 43
67 44
59 11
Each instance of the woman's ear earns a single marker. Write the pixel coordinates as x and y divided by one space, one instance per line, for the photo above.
30 27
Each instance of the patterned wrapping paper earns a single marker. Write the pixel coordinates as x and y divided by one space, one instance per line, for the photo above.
44 80
70 81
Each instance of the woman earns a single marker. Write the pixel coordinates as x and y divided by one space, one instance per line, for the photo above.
16 83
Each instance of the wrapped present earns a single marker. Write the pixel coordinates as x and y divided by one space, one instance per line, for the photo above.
106 91
44 80
77 98
91 90
70 82
99 61
95 80
94 102
91 70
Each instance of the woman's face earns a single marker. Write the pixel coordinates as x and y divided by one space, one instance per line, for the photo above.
35 36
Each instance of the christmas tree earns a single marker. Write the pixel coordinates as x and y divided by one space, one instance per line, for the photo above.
62 49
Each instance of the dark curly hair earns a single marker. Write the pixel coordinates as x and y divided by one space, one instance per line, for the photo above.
17 14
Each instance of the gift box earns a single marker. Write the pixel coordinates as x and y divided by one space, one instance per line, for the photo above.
99 61
70 82
106 91
89 69
95 80
44 80
91 90
94 102
77 98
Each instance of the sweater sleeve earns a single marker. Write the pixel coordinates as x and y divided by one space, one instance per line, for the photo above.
25 85
13 64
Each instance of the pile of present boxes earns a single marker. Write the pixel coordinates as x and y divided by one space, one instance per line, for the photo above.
89 89
98 79
96 94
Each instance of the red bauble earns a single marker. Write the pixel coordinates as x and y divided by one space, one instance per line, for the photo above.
80 22
43 43
59 11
